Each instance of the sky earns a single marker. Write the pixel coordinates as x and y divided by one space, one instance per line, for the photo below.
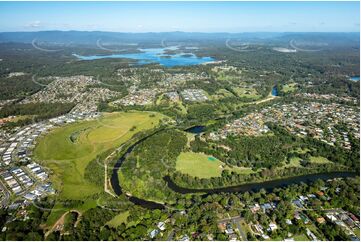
181 16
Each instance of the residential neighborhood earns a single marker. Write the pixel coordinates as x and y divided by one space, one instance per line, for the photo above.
321 121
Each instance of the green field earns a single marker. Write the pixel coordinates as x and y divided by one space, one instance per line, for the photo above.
118 219
204 166
295 161
291 87
221 93
319 160
67 150
246 92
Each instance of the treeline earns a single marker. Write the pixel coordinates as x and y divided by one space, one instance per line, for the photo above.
265 151
142 171
233 178
17 87
267 155
39 111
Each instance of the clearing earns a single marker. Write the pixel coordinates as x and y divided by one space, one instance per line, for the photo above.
205 166
68 160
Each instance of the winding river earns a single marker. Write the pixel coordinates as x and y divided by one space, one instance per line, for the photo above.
267 185
114 180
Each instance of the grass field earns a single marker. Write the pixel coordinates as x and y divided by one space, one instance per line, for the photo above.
119 219
246 92
319 160
204 166
67 151
221 93
301 237
68 158
295 161
291 87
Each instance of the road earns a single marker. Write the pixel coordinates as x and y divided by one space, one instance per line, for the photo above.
60 222
170 236
6 199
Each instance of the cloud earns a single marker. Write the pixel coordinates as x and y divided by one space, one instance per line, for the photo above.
34 24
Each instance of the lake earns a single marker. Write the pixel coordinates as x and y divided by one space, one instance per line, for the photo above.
155 55
355 78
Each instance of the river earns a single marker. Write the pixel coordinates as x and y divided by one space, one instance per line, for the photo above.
267 185
114 180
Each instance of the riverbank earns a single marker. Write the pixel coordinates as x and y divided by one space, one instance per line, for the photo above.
267 185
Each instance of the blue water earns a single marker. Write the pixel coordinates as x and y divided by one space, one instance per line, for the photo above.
196 129
274 91
355 78
155 55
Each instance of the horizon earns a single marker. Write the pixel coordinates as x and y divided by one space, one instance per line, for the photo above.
197 17
163 32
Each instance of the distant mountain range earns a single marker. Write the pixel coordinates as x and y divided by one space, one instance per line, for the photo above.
85 37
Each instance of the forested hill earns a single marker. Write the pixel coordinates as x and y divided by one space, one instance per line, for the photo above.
91 37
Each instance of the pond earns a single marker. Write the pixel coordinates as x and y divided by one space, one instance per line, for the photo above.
196 129
155 55
274 91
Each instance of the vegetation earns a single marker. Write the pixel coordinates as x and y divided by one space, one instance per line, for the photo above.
34 112
203 166
77 168
143 170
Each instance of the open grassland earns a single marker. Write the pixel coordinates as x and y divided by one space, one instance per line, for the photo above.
68 150
291 87
246 92
204 166
221 93
319 160
118 219
296 161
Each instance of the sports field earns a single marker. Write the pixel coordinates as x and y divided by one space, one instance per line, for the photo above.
67 150
204 166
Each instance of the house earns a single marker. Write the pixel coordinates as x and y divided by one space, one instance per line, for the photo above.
320 220
311 235
154 233
30 196
255 208
229 229
288 221
272 227
161 226
185 238
298 203
319 193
